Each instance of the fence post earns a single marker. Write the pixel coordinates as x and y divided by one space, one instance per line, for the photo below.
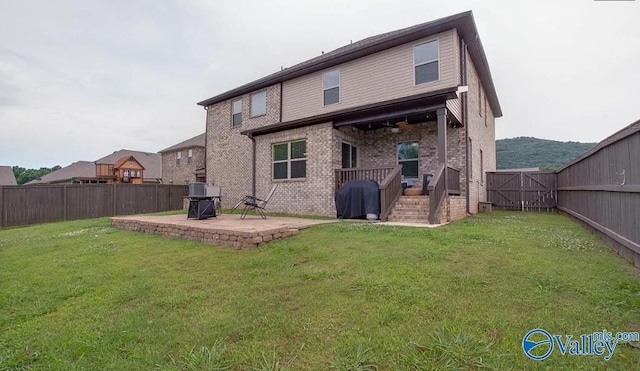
157 198
64 202
115 204
1 206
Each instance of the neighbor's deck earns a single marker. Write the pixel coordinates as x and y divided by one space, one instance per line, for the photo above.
223 230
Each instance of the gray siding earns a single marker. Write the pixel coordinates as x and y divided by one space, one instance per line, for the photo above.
378 77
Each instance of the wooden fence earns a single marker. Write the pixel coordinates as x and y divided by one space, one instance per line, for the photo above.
23 205
602 189
527 191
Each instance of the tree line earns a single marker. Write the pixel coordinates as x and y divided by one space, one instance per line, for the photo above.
24 175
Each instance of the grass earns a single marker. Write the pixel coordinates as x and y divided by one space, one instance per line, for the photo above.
344 296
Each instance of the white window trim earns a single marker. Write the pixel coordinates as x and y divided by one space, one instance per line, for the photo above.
332 87
233 114
251 115
413 70
417 159
288 160
357 156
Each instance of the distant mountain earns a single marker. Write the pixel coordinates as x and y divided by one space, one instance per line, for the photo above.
533 152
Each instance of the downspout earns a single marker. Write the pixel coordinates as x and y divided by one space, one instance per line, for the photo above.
280 102
465 120
206 139
253 166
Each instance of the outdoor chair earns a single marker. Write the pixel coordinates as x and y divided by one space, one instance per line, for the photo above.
215 191
254 203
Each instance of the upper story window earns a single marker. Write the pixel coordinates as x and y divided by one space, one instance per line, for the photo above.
408 153
290 160
189 156
178 157
331 87
236 113
425 61
259 103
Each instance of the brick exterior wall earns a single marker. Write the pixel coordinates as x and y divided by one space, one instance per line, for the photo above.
313 195
184 173
483 137
229 153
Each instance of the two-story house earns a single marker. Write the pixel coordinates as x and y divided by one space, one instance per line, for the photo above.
391 107
184 162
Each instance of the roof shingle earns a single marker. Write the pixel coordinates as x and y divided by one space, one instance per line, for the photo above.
6 176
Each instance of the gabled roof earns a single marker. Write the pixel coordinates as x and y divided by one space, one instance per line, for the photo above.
6 176
197 141
121 162
79 169
463 22
152 162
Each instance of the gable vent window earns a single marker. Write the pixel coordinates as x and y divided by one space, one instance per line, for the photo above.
331 87
425 61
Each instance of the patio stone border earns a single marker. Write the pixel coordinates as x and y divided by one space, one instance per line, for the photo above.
219 237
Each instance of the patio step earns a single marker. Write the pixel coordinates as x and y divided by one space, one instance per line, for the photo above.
410 209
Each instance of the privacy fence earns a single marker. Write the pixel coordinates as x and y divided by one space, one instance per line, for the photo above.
23 205
526 191
601 188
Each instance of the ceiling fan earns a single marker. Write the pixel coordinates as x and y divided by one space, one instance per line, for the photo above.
400 125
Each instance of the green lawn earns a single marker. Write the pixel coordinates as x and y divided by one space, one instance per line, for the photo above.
347 296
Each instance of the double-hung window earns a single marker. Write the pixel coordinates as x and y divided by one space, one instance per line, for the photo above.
408 153
331 87
236 113
349 155
290 160
178 157
259 104
189 156
425 62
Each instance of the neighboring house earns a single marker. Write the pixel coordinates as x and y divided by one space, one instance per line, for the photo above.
6 176
184 162
125 170
147 168
418 98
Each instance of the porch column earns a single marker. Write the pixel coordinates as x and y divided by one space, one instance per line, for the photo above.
442 135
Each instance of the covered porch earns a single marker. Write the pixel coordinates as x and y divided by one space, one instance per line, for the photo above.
406 142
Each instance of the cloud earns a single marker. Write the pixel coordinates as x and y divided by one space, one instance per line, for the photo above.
79 80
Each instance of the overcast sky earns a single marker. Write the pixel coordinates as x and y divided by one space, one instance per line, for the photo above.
81 79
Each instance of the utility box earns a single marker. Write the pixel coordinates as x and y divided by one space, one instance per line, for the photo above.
485 207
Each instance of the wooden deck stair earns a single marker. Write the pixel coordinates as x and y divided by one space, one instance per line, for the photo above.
410 209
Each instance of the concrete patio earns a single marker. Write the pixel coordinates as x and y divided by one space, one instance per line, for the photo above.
224 230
